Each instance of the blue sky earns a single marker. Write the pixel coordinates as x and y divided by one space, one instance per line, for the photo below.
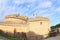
46 8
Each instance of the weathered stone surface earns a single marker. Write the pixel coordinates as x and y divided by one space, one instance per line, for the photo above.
38 25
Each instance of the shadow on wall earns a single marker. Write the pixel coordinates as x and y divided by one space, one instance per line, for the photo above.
24 36
32 36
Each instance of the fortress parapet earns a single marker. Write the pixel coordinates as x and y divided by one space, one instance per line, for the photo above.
38 19
15 19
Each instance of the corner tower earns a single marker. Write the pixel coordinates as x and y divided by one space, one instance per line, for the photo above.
39 25
15 19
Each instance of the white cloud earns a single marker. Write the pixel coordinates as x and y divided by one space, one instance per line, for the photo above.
47 15
42 11
31 1
45 4
23 1
3 1
14 9
19 1
57 9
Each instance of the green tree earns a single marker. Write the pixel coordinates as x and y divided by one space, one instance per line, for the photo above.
53 27
56 26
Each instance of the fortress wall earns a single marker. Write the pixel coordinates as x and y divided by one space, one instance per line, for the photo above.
38 25
13 20
40 29
11 28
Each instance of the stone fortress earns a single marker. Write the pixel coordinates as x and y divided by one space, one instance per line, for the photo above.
38 25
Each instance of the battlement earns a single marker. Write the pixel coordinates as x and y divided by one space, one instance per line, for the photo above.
24 18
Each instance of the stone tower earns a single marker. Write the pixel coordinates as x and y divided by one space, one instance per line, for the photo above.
39 25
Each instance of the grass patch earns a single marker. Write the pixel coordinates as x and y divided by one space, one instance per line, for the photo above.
10 38
7 36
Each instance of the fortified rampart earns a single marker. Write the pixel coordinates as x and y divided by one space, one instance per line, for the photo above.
38 25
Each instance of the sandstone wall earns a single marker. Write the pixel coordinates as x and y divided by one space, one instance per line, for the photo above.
38 25
40 29
14 20
11 28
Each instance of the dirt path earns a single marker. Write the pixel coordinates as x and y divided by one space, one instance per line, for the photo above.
54 38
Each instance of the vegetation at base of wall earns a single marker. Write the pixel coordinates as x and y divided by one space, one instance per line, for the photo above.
12 38
21 35
7 36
